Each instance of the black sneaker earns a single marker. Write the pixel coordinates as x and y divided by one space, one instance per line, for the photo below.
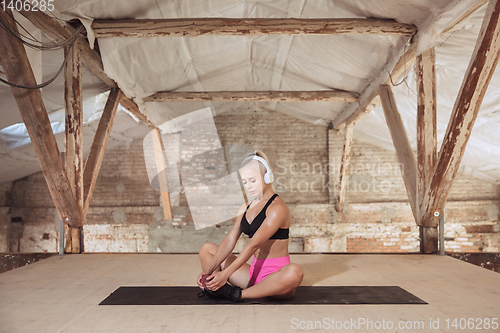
227 291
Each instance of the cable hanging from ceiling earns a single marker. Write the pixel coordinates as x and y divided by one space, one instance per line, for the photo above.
32 42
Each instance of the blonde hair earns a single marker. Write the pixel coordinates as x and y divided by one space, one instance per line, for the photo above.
262 167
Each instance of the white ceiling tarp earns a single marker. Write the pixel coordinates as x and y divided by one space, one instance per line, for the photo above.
482 155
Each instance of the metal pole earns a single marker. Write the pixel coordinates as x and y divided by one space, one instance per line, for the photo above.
61 236
441 235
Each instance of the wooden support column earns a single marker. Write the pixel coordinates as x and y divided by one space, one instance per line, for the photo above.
161 172
404 152
96 154
429 239
426 141
74 137
475 83
18 70
341 185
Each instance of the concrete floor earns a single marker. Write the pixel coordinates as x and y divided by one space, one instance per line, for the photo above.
62 293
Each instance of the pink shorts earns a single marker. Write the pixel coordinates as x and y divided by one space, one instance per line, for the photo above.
261 268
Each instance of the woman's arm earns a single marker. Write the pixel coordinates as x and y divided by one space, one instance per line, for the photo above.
223 251
242 258
227 245
275 216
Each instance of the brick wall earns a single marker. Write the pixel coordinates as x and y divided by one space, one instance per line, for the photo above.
126 213
292 145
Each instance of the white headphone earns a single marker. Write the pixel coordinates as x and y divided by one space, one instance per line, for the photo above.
268 176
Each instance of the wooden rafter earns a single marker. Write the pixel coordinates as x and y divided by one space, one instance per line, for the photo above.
464 17
370 98
96 154
91 58
190 27
53 29
18 70
475 83
404 152
341 186
258 96
132 107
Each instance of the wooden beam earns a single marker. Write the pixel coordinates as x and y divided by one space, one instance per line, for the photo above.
464 17
429 239
18 70
258 96
404 152
74 122
73 134
426 141
370 98
161 166
93 61
191 27
68 248
341 185
475 83
96 154
75 240
52 28
132 107
91 58
426 123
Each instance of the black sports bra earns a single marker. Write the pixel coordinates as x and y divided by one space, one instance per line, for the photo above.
251 229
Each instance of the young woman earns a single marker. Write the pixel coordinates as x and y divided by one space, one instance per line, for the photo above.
267 221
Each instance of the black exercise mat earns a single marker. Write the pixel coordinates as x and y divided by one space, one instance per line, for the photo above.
162 295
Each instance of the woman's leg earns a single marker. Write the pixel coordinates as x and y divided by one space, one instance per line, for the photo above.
240 277
280 284
206 253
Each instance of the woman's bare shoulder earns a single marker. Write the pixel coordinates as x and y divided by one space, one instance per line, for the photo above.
279 206
280 200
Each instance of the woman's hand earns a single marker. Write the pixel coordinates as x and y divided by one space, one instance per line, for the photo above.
216 280
202 280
